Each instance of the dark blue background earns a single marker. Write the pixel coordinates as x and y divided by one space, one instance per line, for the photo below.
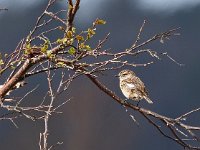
92 120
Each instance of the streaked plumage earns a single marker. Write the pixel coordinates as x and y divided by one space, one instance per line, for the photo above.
132 87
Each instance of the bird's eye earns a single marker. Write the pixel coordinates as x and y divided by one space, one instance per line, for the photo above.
124 74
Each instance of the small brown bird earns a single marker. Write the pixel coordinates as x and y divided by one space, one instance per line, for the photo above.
132 87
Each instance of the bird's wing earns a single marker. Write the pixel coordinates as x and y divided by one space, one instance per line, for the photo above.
131 85
136 83
141 86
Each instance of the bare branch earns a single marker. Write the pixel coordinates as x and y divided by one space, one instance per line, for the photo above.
169 122
71 13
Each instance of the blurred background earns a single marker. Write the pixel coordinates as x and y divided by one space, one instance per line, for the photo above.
92 120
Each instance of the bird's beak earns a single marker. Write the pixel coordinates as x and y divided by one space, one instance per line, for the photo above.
117 75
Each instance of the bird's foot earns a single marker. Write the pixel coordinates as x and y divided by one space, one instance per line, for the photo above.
124 101
138 103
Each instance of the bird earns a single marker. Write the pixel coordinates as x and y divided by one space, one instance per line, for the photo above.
132 87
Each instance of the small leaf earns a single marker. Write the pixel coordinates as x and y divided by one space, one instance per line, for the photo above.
99 21
72 51
79 38
27 51
87 47
69 34
61 28
45 46
28 45
5 55
1 62
91 31
64 40
61 64
50 55
59 41
70 41
44 49
82 45
73 29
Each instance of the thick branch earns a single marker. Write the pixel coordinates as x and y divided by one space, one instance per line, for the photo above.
72 9
21 72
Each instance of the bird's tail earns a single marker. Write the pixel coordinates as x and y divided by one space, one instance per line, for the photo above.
148 100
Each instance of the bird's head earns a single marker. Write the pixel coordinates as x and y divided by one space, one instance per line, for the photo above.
124 74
